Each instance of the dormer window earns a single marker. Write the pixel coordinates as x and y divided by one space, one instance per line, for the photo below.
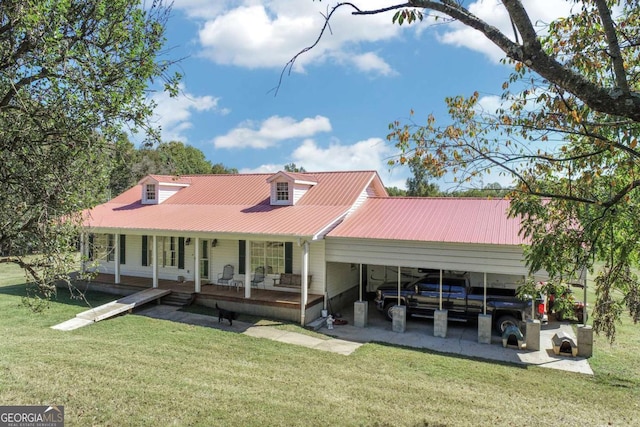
287 187
282 191
156 189
150 192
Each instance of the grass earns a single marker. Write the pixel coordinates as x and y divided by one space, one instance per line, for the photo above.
138 371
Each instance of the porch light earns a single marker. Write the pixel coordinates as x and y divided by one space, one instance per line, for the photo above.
214 243
187 241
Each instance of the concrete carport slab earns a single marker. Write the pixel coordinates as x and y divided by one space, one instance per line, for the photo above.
462 339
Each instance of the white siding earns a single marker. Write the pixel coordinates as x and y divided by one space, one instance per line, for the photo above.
166 191
133 261
226 252
299 191
341 277
368 192
446 256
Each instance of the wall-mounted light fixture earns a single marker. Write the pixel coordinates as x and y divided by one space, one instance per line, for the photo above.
214 243
187 241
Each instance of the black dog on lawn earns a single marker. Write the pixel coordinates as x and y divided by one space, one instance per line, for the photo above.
226 314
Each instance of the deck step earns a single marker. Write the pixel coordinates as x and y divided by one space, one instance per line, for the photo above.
178 299
317 324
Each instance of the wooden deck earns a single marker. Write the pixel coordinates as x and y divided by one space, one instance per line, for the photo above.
263 297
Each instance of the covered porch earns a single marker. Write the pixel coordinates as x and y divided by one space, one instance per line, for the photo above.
263 302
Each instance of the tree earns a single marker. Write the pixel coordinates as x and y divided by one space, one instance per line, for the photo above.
396 192
167 158
122 175
72 74
219 168
291 167
419 185
184 159
567 133
493 189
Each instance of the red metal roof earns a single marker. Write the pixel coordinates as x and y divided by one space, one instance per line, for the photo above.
238 203
454 220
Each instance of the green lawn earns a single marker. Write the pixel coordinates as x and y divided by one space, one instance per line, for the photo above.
138 371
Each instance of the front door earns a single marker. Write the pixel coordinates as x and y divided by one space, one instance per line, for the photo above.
204 260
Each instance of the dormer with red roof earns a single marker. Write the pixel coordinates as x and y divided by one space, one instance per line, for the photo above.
287 188
158 188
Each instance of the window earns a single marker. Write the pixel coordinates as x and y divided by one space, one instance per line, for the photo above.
150 192
169 252
147 251
282 191
268 254
111 245
103 247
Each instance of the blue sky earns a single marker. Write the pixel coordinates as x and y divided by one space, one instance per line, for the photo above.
332 111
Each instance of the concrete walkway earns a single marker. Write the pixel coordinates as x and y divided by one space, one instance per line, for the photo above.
345 339
333 345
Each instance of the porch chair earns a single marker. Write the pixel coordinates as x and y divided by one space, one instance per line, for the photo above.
258 277
226 276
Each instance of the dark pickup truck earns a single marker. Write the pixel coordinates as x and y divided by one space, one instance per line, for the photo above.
463 302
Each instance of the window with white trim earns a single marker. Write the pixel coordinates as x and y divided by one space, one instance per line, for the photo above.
150 192
282 191
169 252
104 247
268 254
111 247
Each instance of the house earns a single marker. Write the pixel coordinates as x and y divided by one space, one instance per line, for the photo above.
329 230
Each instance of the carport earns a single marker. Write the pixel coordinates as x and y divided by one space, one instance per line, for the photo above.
465 235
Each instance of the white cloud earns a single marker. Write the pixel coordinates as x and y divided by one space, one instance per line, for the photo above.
369 154
371 62
493 12
173 115
267 34
271 131
489 104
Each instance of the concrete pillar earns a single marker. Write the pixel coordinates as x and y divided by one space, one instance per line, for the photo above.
440 323
532 338
399 323
484 328
585 341
360 313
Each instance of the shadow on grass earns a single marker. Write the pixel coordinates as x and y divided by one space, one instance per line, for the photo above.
452 355
246 318
63 295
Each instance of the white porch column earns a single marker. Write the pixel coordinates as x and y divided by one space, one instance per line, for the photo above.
304 282
247 269
83 252
117 258
154 260
196 267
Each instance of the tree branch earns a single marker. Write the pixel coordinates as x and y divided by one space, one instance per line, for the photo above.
614 46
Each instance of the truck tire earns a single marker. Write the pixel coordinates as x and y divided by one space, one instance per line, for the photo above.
505 321
387 310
